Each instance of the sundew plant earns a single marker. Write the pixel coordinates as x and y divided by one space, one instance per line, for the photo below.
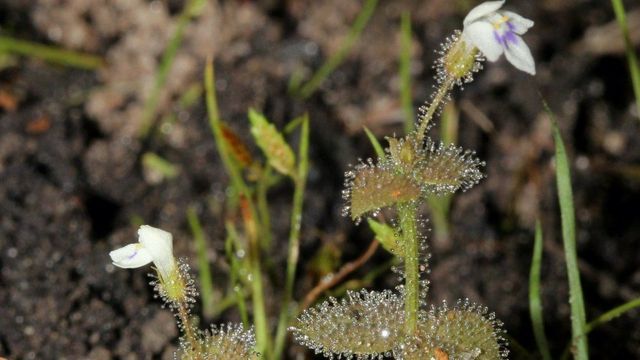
365 324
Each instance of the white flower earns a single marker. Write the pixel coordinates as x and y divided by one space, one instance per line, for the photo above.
495 32
153 245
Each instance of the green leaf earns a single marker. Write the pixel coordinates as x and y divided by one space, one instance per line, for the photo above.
535 302
632 59
272 144
567 214
374 142
405 72
386 236
9 45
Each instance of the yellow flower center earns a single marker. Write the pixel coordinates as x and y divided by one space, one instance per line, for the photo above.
498 23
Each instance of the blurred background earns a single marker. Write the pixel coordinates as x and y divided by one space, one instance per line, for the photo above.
96 141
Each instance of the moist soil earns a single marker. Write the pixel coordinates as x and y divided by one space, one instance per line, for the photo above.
74 185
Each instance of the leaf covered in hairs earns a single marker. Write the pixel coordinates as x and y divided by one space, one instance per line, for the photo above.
365 325
226 342
272 143
465 331
408 172
445 169
373 188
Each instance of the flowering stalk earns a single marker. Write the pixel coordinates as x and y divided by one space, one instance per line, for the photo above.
407 214
173 282
488 33
438 99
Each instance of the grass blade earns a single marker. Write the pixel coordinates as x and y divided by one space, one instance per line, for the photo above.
405 72
535 302
567 214
604 318
632 59
204 271
239 185
334 61
191 10
375 143
612 314
50 53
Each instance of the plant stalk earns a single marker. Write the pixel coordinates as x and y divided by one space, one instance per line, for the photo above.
294 237
250 215
438 98
408 225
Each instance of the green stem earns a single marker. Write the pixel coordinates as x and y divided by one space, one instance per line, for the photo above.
257 293
438 98
50 53
407 213
204 271
603 319
294 236
187 327
263 206
231 247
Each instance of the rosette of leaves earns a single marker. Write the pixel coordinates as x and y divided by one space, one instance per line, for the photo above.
465 332
364 325
226 342
409 171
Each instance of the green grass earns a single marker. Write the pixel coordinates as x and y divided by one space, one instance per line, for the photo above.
405 73
336 59
605 318
612 314
535 301
251 216
632 58
375 143
191 10
48 53
567 214
204 271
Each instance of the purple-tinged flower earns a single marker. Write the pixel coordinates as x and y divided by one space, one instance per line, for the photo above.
495 32
155 245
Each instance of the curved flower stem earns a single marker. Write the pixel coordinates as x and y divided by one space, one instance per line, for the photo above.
438 98
191 338
407 213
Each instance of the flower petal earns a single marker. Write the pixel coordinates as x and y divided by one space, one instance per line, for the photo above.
482 10
150 236
130 256
481 34
519 55
159 244
520 24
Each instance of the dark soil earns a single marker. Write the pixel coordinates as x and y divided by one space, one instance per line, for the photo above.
73 186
